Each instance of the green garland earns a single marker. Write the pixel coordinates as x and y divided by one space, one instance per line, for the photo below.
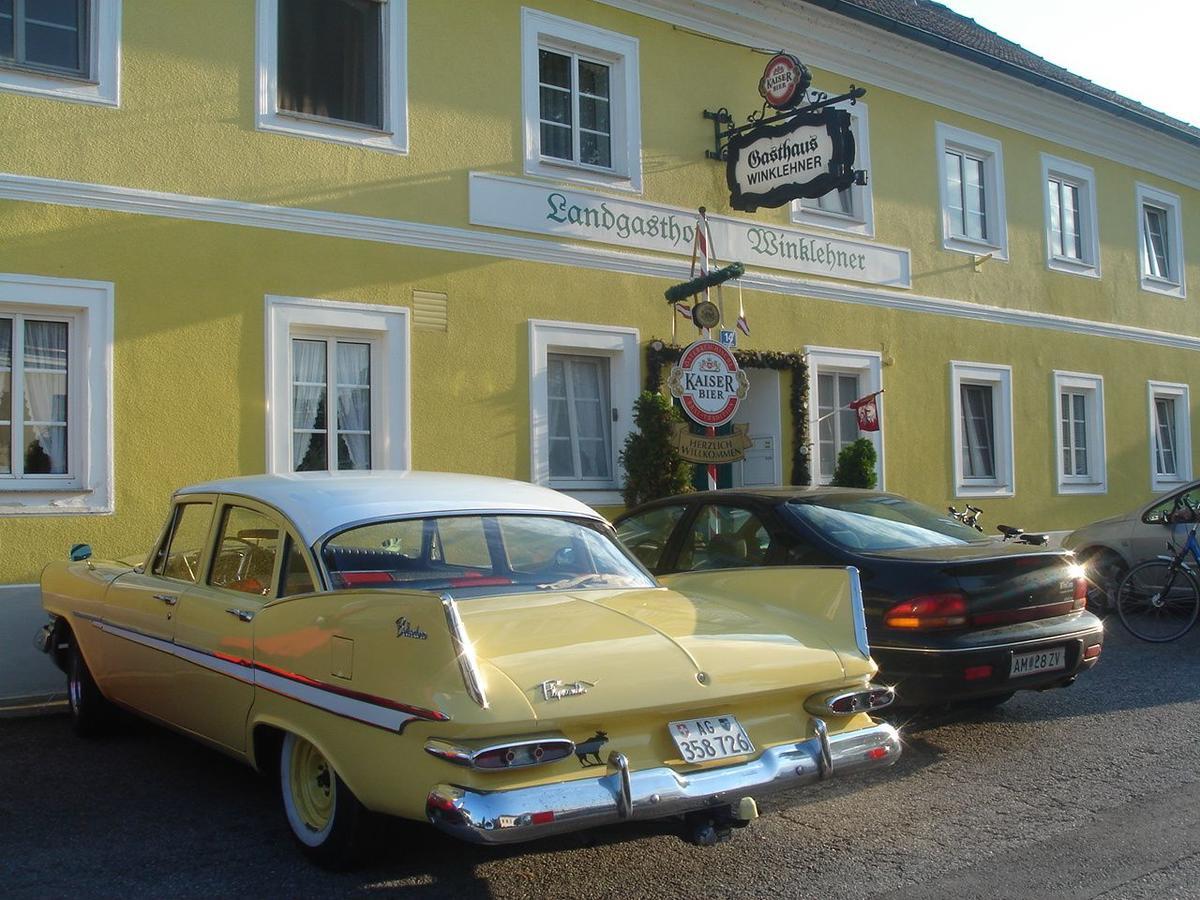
660 354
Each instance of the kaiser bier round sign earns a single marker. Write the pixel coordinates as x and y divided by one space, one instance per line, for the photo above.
708 383
784 81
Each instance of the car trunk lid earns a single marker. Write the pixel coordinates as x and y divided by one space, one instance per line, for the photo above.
631 650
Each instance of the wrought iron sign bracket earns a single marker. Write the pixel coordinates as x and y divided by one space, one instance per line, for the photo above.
723 117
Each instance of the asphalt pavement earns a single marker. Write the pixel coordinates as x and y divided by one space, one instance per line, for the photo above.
1091 791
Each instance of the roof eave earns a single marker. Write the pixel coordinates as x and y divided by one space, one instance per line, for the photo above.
887 23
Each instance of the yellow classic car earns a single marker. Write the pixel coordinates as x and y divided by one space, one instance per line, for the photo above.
478 653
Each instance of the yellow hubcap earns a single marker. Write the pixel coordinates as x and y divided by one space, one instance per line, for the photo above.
312 784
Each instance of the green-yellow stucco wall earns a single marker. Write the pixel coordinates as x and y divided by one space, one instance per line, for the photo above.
189 381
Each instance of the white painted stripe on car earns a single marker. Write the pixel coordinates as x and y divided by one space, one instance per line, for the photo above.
327 699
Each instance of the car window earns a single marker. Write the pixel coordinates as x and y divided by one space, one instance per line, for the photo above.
802 553
179 556
295 577
470 554
646 534
880 522
724 537
1158 513
245 552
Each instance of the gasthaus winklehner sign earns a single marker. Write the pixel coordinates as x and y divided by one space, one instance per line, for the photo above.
514 203
809 155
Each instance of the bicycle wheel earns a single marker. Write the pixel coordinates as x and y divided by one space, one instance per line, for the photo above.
1158 601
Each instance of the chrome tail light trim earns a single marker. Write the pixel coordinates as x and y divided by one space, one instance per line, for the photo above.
851 702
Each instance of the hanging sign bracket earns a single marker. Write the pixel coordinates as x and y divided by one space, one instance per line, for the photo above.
722 116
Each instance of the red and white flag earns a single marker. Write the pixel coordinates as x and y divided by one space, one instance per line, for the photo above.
867 410
684 310
742 324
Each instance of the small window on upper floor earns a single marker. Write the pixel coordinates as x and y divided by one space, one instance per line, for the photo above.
334 70
851 209
1160 239
65 49
582 116
45 35
1072 232
972 190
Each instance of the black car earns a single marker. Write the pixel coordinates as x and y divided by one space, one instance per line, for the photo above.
952 615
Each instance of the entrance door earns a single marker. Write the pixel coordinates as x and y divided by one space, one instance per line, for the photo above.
761 466
215 625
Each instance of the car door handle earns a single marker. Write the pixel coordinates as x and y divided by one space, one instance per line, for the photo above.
169 599
242 614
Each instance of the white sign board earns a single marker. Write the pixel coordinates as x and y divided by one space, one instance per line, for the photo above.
774 162
514 203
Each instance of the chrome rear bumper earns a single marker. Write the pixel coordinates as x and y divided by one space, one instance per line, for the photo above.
523 814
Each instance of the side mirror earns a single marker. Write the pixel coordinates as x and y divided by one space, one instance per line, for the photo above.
80 552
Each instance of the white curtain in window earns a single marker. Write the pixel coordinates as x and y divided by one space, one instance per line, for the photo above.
5 396
977 418
308 397
45 398
1164 410
354 404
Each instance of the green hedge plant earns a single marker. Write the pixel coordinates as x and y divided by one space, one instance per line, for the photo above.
653 467
856 465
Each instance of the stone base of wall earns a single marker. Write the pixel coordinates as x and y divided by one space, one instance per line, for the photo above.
29 682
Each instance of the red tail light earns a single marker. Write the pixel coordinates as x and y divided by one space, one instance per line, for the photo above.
1080 597
928 613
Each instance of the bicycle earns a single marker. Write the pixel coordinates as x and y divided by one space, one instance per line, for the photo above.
1159 599
969 517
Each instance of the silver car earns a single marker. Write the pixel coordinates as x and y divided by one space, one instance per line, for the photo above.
1109 547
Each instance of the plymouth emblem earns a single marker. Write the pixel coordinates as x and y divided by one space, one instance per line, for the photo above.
557 689
406 629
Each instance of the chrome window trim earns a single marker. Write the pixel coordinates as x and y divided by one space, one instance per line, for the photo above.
860 615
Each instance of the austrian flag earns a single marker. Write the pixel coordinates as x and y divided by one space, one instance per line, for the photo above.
742 324
867 410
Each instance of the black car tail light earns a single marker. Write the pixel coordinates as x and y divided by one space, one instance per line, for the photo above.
931 612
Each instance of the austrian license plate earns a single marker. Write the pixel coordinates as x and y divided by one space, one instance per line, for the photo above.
1038 661
718 737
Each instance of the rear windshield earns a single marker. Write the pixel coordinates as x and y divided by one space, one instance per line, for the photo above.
475 555
881 522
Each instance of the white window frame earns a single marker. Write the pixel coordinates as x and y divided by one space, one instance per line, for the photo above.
391 138
101 84
1171 287
991 153
999 378
620 53
868 366
386 328
1083 179
88 486
621 346
862 220
331 338
1092 388
1183 433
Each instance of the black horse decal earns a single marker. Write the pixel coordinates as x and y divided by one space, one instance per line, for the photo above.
591 748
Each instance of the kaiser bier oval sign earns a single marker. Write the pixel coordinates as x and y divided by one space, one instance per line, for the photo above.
708 383
784 81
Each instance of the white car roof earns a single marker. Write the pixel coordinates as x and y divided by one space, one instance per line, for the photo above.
320 502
